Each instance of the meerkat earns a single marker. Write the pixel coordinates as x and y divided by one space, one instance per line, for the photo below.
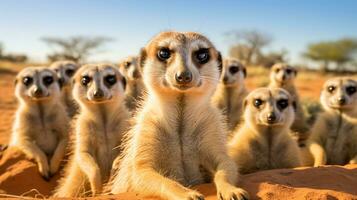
65 71
333 137
135 87
100 125
231 91
178 131
41 123
282 76
263 141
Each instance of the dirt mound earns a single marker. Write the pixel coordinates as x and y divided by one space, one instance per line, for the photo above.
18 176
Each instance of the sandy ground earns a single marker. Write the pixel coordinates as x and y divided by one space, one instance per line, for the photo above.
18 176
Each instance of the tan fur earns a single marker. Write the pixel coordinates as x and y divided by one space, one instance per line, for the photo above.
283 76
65 71
99 129
231 91
41 123
333 137
177 132
135 87
259 144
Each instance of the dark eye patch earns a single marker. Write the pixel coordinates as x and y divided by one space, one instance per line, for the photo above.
289 71
233 69
27 80
351 90
110 79
48 80
202 55
331 88
277 70
257 103
69 72
282 104
127 64
163 54
85 80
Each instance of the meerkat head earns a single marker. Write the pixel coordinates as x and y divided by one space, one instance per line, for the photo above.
130 68
266 107
180 62
65 71
339 94
98 83
36 84
282 73
233 72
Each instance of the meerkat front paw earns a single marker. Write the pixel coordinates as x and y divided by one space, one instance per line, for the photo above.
44 171
54 166
96 183
193 195
232 193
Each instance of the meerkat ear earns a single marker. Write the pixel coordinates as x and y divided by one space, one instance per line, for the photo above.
142 57
294 105
245 102
295 72
123 81
15 81
245 72
220 62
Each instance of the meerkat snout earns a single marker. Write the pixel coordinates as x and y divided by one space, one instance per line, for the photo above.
98 83
339 93
269 107
37 84
282 73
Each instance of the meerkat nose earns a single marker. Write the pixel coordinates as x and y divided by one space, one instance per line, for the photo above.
183 77
271 117
37 92
341 100
98 93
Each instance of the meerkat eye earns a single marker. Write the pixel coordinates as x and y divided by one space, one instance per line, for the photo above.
277 70
127 65
202 55
163 54
48 80
111 79
331 88
351 90
27 80
257 103
69 72
233 69
85 80
288 71
282 104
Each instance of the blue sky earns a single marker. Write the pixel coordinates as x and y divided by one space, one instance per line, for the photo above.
293 24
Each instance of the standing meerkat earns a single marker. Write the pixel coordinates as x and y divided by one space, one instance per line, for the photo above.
264 141
65 71
41 123
135 88
99 127
282 76
333 139
178 132
231 91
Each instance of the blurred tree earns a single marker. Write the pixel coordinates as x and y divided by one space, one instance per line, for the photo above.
339 52
1 50
269 59
77 48
248 44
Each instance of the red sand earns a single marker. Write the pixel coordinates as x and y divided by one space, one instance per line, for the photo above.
19 176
